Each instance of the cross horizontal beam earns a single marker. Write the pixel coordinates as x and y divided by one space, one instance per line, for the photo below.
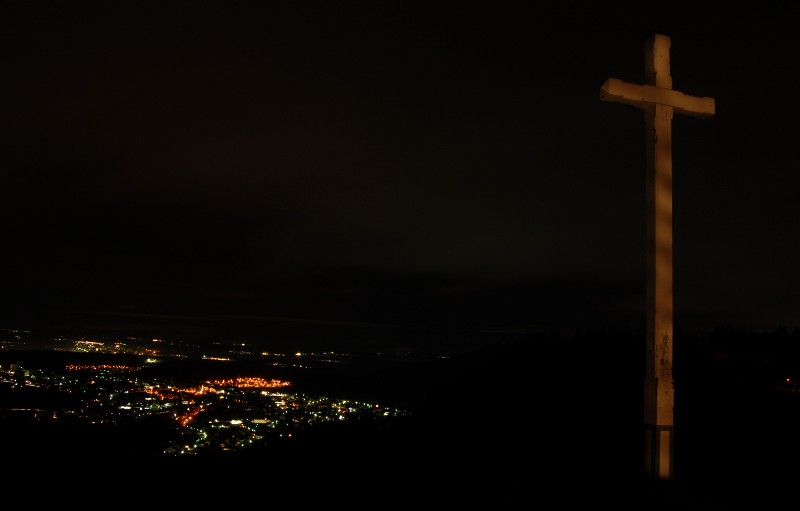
641 96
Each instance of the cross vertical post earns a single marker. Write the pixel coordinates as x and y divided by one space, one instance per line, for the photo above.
658 101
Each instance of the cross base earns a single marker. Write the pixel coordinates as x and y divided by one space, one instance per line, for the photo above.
659 447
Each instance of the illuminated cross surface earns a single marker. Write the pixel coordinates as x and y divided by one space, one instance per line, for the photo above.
658 101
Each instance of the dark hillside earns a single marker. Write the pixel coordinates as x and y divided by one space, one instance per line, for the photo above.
548 418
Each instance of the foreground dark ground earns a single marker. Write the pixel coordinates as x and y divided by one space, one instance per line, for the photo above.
550 421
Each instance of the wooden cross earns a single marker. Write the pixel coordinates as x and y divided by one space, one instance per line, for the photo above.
658 101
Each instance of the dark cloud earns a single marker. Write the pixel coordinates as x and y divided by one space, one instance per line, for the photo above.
399 163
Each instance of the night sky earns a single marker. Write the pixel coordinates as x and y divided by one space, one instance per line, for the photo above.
425 170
